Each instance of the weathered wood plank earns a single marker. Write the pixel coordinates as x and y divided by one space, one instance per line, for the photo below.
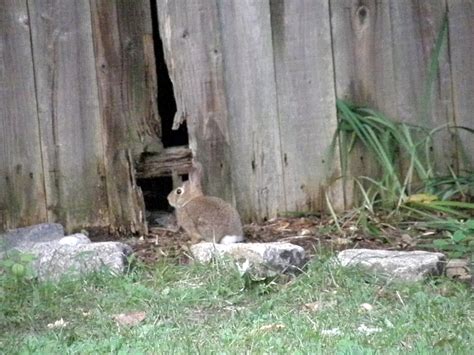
71 128
382 54
138 68
461 44
22 194
173 160
193 53
306 102
125 65
252 103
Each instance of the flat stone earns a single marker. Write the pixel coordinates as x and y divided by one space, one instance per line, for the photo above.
74 239
400 265
57 255
458 269
80 259
258 259
23 237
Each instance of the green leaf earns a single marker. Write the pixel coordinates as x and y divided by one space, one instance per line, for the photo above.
18 270
26 258
8 263
459 236
470 224
440 243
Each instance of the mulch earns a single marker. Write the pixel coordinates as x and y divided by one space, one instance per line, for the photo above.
311 232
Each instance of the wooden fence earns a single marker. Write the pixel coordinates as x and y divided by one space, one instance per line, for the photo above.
255 80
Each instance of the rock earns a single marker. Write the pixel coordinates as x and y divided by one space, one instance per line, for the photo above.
258 259
24 237
458 269
400 265
76 260
56 254
74 239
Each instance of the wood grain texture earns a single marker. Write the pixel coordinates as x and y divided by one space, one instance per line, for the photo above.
127 89
193 52
461 44
70 124
252 103
306 102
171 161
382 55
22 194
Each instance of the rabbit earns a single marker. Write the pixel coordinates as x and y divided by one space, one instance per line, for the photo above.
205 218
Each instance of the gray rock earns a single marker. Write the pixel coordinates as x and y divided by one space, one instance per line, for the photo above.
24 237
400 265
258 259
76 260
74 239
56 254
458 269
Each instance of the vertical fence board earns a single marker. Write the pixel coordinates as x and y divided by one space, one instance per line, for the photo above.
192 47
127 91
461 44
69 112
22 195
138 78
251 99
382 53
306 101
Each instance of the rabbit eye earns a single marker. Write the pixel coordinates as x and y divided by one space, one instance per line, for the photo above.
179 191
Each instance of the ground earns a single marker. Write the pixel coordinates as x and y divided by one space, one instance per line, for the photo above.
313 232
309 232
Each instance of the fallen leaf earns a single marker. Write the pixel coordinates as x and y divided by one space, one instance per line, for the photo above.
129 319
331 332
341 241
422 198
406 239
61 323
305 232
283 227
318 306
368 330
313 306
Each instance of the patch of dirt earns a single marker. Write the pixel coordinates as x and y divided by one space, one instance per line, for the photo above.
312 233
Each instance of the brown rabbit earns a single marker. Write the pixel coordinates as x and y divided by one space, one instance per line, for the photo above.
204 218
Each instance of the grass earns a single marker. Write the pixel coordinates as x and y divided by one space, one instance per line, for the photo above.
212 309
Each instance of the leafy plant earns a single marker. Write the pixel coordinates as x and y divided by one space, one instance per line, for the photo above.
17 266
388 141
459 237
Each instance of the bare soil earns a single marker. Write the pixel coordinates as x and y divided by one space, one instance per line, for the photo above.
312 233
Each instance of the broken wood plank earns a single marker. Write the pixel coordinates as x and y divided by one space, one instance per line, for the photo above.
171 160
190 31
125 65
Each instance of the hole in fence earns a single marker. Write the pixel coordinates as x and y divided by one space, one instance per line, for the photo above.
155 191
156 188
166 99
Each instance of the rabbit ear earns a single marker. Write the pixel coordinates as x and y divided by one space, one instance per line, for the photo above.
195 175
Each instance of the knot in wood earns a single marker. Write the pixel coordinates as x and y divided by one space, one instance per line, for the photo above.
362 14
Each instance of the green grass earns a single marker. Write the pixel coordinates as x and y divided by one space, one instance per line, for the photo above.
211 309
